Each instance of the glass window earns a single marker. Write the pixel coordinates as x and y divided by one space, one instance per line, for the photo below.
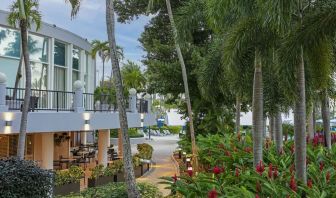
38 48
59 54
39 75
10 42
59 79
75 58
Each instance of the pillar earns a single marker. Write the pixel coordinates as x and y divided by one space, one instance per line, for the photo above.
47 150
148 98
120 144
78 97
3 80
83 138
132 100
103 140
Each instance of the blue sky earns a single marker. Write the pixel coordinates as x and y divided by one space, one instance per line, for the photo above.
90 24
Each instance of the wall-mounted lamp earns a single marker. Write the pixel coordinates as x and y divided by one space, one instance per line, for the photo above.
8 123
87 122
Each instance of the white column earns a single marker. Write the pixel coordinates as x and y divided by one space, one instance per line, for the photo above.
78 97
3 80
69 66
103 140
83 138
132 100
51 70
47 150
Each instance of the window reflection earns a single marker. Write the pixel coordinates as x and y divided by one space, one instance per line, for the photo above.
9 42
75 58
59 54
38 48
39 75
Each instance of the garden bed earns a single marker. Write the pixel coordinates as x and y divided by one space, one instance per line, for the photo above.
67 189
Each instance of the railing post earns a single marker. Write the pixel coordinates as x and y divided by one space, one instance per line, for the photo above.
78 97
148 98
57 99
132 100
3 80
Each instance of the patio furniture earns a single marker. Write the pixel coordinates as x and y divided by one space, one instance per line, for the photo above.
67 161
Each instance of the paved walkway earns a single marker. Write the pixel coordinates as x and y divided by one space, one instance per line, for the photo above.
163 150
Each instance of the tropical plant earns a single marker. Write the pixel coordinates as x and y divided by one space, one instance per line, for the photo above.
72 175
25 13
101 48
132 76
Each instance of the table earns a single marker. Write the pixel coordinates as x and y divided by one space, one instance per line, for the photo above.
83 153
66 161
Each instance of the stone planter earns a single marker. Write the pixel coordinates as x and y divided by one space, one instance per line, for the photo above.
67 189
138 172
100 181
119 177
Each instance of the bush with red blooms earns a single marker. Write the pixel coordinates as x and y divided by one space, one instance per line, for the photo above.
272 177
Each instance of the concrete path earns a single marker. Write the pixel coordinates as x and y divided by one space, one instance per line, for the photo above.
164 165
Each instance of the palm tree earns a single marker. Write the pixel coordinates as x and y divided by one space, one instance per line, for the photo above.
132 189
132 76
103 51
24 13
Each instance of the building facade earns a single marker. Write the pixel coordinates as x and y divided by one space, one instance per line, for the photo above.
63 112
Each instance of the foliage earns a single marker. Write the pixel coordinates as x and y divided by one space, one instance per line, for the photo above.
145 151
72 175
118 190
22 178
132 76
97 171
132 132
227 163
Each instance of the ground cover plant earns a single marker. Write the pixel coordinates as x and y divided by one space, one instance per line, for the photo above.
227 170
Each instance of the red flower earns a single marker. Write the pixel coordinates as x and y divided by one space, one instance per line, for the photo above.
260 167
275 172
190 172
237 172
321 166
227 153
292 184
315 140
174 178
216 170
292 168
257 196
248 149
328 177
270 167
258 186
310 183
213 194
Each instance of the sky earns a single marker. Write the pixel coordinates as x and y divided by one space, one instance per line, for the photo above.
90 24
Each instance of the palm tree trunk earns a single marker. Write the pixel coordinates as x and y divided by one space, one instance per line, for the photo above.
238 114
310 125
300 123
25 109
186 88
257 110
271 126
132 189
326 119
18 77
278 132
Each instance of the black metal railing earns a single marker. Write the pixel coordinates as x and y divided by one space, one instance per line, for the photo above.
40 99
50 100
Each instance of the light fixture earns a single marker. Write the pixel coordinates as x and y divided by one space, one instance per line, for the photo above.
87 121
8 123
184 153
132 91
188 159
190 168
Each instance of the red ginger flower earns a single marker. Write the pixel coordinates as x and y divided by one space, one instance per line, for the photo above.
174 178
310 183
190 172
237 172
216 170
270 167
328 177
257 196
276 172
292 184
321 166
260 167
213 194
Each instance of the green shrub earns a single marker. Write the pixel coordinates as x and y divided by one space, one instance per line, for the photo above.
174 129
132 132
145 151
118 190
72 175
21 178
97 171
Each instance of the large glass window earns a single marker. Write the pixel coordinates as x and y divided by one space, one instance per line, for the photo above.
38 48
10 42
39 75
75 64
60 54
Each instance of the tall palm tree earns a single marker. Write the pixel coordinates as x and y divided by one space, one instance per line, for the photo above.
24 13
132 189
102 49
132 76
